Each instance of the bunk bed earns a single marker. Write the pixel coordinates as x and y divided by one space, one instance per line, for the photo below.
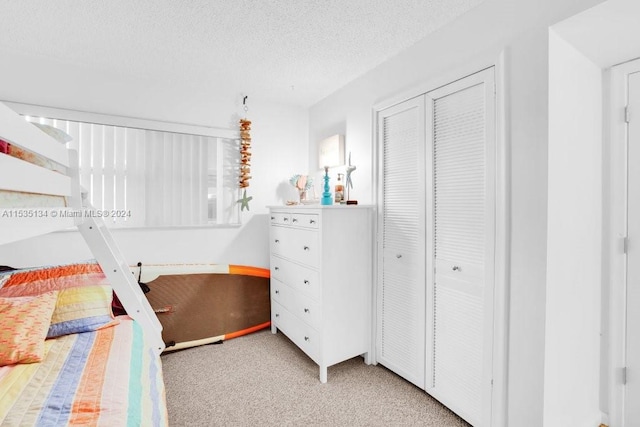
65 359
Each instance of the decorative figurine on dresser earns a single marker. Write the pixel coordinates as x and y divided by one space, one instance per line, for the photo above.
321 280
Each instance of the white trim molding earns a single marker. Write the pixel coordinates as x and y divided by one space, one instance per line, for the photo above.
499 401
615 234
113 120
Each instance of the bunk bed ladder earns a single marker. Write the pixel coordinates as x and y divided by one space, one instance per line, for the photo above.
108 255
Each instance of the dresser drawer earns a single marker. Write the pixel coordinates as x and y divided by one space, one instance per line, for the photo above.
278 292
280 218
297 244
306 309
300 333
305 220
301 278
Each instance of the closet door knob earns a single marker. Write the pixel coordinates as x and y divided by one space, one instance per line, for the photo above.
306 282
277 291
277 240
277 314
306 338
306 248
306 310
276 268
399 256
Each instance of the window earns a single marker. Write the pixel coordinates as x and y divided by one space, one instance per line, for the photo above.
155 178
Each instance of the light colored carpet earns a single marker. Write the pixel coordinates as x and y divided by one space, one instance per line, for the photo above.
264 379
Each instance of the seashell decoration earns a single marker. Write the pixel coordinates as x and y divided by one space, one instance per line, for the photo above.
245 153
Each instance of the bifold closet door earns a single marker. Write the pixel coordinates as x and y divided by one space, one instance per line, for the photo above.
401 247
461 215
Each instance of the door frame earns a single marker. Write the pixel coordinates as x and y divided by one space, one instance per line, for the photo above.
614 292
497 60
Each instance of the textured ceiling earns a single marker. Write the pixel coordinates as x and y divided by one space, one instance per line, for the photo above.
291 51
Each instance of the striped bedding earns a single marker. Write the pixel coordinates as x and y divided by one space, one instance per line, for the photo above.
107 377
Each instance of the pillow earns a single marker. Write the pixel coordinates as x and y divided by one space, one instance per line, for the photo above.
4 277
59 135
82 309
35 281
24 322
85 296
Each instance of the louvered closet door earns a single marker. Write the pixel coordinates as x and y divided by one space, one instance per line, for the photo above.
401 295
461 136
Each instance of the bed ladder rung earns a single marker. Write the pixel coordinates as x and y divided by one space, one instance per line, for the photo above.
100 241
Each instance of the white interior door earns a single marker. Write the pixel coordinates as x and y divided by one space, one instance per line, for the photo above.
632 392
461 222
400 343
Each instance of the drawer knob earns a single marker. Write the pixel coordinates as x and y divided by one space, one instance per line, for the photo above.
277 314
306 310
286 219
455 268
306 248
273 217
312 221
277 291
295 220
306 282
399 256
276 268
306 338
277 241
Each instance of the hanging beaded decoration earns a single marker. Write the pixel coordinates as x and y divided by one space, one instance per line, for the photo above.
245 157
245 147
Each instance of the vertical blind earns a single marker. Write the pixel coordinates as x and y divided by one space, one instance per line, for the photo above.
149 178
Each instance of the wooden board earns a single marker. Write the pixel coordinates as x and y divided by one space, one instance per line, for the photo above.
202 304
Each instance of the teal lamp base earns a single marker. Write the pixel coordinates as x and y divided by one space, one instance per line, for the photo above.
326 195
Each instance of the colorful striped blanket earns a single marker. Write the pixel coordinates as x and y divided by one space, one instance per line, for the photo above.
107 377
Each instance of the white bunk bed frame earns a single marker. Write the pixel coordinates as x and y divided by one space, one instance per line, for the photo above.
19 175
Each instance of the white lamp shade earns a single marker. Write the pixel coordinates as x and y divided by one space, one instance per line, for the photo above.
331 151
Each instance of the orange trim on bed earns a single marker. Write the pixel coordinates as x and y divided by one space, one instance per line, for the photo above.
86 408
249 271
247 331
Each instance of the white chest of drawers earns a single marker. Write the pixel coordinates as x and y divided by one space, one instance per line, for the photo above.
322 280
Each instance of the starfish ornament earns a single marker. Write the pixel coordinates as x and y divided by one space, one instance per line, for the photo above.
244 201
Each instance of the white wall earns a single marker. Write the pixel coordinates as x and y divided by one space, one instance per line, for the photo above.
521 29
574 239
279 147
606 35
